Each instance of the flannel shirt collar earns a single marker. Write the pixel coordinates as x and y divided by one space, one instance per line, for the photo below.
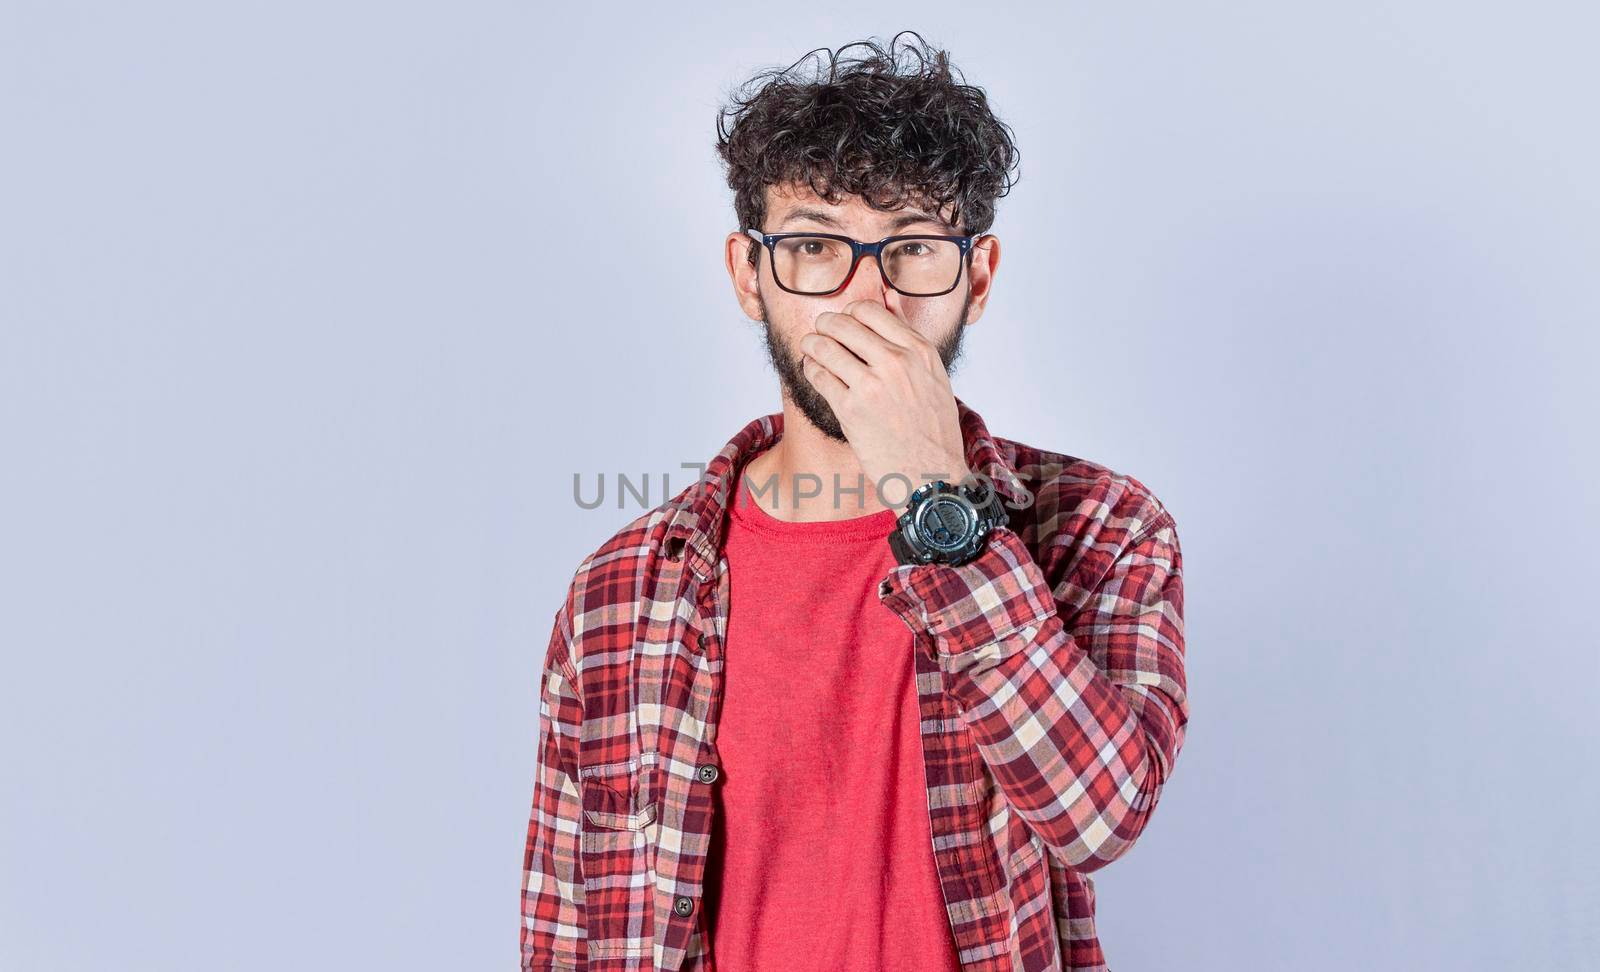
698 518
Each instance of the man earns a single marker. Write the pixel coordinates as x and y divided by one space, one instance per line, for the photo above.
782 726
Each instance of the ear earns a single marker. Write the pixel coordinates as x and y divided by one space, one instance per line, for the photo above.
985 260
746 278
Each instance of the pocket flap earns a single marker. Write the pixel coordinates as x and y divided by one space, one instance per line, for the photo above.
616 802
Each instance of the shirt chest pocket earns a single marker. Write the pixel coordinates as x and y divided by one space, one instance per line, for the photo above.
618 849
615 798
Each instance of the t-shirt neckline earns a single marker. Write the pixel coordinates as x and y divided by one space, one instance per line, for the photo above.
752 514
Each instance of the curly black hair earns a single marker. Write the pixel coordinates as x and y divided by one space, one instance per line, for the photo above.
865 128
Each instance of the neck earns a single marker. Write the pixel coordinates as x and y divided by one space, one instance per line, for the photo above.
794 478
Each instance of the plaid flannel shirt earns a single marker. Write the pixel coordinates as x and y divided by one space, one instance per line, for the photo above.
1050 676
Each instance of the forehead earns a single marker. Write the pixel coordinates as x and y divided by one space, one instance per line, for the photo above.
789 200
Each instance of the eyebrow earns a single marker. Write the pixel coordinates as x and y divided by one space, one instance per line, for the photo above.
896 224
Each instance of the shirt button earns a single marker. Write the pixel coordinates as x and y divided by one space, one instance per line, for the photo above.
708 773
683 906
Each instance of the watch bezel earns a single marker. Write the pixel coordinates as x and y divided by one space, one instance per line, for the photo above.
981 519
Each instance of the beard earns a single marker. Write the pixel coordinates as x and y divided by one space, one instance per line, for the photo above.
805 395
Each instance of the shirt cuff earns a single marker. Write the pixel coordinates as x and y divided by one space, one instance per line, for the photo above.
980 602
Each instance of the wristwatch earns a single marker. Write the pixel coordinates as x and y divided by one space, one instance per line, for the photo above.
945 524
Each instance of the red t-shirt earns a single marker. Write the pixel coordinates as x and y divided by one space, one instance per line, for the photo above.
822 857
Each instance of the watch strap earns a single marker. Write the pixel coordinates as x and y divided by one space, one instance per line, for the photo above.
902 549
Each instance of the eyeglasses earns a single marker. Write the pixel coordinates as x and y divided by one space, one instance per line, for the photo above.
813 264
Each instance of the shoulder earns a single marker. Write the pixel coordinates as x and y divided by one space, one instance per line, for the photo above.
1071 494
602 598
1083 515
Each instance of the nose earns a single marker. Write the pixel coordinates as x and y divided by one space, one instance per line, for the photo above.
866 283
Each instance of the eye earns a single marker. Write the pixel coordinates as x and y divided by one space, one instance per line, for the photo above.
812 248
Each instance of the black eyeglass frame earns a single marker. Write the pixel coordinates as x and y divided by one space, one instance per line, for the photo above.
857 251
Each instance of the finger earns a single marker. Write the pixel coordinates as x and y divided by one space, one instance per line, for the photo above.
861 340
845 366
884 322
823 380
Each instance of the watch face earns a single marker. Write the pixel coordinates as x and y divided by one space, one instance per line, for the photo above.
945 523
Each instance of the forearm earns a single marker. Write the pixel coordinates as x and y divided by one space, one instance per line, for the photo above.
1078 721
1062 742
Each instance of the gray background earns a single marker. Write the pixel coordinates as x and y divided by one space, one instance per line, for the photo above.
312 310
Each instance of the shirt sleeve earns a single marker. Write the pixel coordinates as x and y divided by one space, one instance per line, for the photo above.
553 936
1078 714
